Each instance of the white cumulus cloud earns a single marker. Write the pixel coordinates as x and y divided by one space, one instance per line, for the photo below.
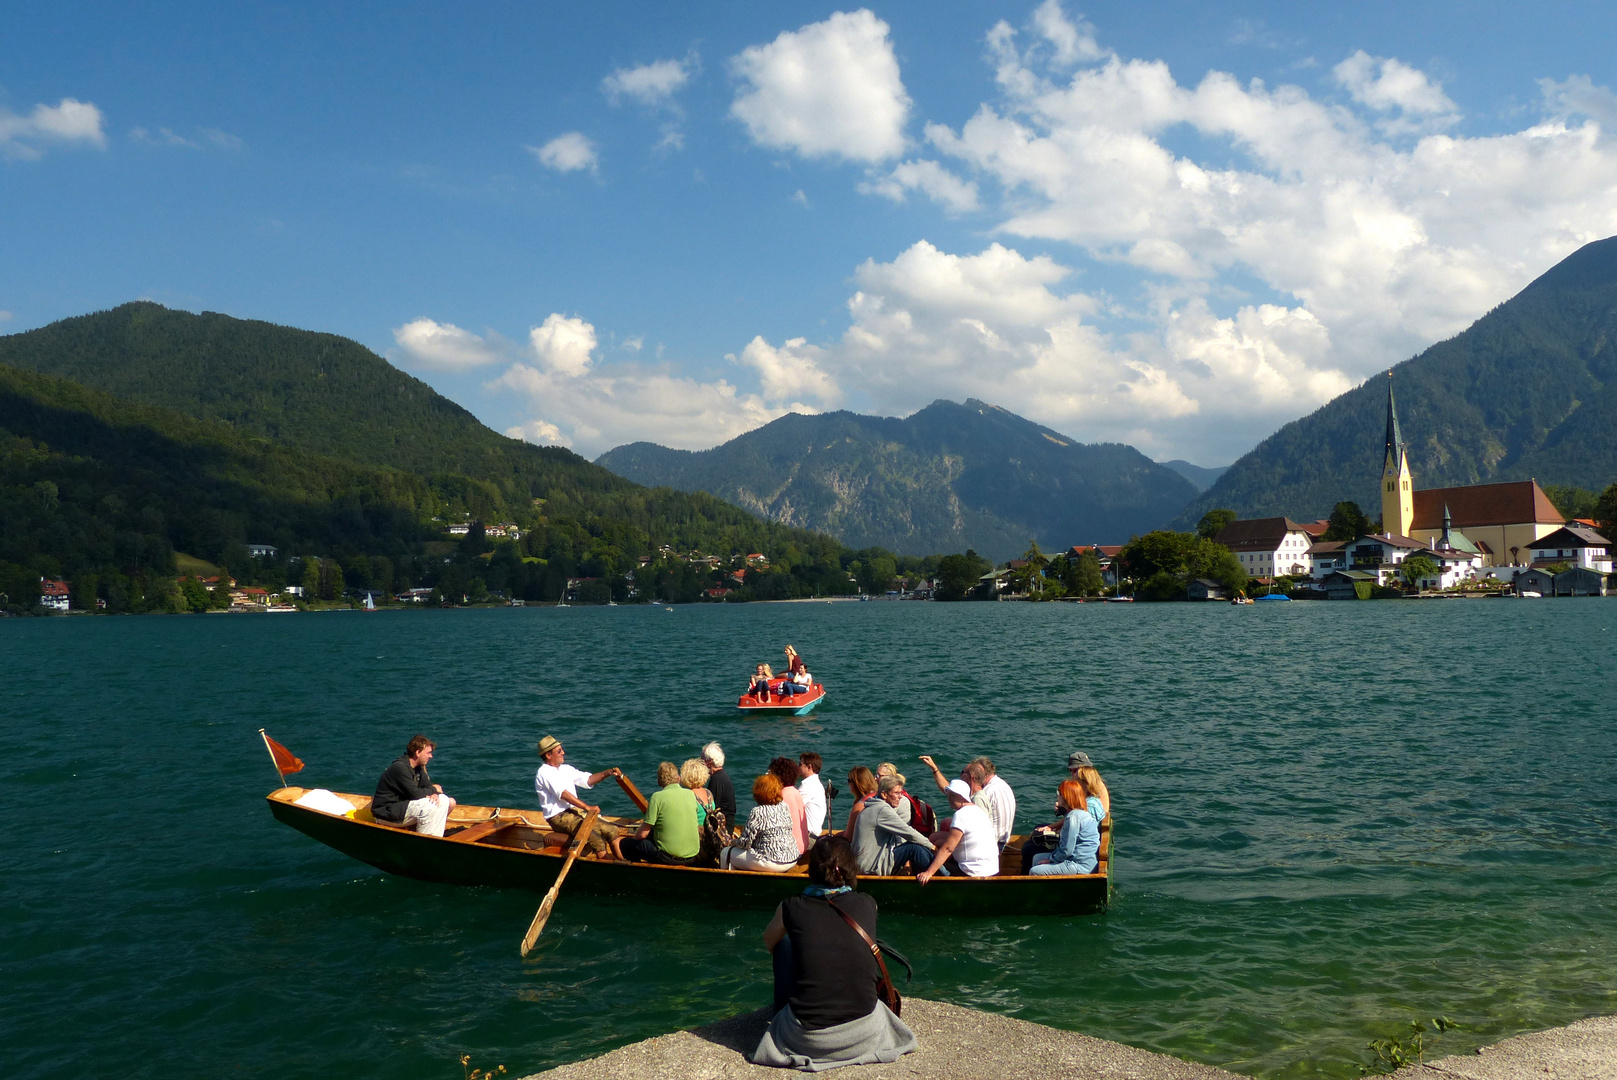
443 346
931 179
563 345
1368 249
68 121
571 152
831 89
649 84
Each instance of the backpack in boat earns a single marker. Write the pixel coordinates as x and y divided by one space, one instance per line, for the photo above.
716 836
922 819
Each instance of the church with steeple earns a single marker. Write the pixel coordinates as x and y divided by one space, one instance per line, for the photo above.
1499 521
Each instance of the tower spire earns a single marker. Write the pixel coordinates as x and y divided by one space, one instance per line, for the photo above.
1397 485
1395 436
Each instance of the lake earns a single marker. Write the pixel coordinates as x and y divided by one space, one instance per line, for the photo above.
1332 819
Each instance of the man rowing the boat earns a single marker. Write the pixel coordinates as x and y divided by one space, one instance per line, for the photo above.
406 795
557 783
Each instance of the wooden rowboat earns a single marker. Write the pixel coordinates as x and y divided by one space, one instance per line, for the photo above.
507 848
794 704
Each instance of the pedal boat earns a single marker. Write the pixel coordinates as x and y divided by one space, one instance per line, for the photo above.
790 704
516 849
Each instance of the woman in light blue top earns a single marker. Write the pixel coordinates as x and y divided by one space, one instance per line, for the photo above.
1080 835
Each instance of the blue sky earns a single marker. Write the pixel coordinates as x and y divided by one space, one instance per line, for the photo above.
1175 225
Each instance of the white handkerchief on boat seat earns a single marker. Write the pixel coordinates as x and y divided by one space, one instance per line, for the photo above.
326 802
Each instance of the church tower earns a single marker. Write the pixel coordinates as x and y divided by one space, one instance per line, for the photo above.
1397 486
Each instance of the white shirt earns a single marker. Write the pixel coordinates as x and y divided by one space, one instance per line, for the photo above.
813 791
978 850
549 783
1004 803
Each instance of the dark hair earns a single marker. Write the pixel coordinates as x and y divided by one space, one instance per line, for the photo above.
417 744
784 769
814 761
831 863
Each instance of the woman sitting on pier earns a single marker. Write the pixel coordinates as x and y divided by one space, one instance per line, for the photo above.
829 984
769 842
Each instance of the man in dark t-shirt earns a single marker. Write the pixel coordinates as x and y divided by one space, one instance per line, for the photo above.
718 781
406 795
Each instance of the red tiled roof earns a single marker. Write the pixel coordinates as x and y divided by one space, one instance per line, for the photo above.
1108 551
1256 533
53 588
1316 529
1518 502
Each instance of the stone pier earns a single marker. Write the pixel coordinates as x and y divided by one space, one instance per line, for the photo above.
963 1044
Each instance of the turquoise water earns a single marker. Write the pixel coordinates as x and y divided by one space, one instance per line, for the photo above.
1332 819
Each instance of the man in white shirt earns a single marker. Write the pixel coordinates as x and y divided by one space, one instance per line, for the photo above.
557 783
1001 799
812 790
968 842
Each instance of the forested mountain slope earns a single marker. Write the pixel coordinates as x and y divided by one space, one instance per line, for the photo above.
315 391
1527 391
203 434
947 478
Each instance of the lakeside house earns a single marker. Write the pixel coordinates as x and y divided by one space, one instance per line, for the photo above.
1579 545
262 551
53 594
1270 546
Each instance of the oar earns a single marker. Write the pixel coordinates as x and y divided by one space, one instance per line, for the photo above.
542 916
633 792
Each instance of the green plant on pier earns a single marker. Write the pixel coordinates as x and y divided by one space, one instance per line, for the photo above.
1396 1051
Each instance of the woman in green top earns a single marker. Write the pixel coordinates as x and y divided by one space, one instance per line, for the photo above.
670 834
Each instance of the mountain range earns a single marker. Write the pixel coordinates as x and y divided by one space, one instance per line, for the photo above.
1527 391
950 477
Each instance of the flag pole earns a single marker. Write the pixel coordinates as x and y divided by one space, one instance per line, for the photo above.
279 775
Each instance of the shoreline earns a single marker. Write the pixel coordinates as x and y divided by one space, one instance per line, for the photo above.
959 1043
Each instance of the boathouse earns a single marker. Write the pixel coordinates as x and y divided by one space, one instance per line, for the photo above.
1205 589
1581 581
1534 580
1345 585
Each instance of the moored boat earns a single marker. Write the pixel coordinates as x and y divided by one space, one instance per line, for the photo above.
506 848
792 704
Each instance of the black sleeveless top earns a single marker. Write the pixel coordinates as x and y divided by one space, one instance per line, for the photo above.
836 975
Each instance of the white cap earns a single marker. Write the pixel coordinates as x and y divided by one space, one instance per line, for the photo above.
960 788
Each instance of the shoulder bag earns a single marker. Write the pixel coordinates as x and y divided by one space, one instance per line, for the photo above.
889 992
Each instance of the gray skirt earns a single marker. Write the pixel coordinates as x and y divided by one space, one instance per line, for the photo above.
878 1037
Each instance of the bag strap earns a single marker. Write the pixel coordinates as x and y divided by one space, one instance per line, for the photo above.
888 989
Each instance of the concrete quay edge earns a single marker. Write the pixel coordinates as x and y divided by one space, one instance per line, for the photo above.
958 1043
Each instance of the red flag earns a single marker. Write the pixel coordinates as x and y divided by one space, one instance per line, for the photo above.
285 760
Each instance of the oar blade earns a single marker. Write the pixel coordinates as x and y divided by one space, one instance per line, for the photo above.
542 916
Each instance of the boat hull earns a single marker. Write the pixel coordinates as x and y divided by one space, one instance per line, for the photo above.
499 861
796 705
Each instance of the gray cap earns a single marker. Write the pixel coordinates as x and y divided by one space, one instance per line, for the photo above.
1079 760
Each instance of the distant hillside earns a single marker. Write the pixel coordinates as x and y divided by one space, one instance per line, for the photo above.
335 398
1201 476
1528 391
300 388
131 433
945 479
88 480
